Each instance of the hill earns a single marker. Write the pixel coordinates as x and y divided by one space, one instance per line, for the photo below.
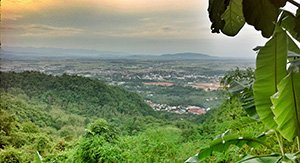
186 56
176 56
59 116
30 53
76 119
78 95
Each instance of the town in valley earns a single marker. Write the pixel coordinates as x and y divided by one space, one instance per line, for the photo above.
172 83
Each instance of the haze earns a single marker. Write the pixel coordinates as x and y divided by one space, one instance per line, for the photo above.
129 26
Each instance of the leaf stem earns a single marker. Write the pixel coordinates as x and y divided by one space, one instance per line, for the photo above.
280 143
294 3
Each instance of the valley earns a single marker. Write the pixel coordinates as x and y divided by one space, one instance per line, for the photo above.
175 83
126 110
172 83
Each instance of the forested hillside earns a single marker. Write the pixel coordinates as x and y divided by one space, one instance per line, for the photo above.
76 94
72 105
71 118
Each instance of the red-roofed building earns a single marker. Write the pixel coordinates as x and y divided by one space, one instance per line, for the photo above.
196 110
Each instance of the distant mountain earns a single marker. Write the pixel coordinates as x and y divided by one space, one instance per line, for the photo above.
187 56
30 53
176 56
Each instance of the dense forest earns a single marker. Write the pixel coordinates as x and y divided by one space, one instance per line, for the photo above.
76 119
64 118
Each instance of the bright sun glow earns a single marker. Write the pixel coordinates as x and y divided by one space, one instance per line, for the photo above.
21 6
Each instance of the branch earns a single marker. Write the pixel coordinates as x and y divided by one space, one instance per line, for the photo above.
294 3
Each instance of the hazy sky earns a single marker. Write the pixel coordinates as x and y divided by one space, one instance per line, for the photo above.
131 26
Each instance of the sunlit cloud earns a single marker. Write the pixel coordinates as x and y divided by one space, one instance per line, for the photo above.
38 30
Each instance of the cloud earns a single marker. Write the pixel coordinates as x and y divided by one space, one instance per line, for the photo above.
151 26
134 23
40 30
167 29
10 17
115 18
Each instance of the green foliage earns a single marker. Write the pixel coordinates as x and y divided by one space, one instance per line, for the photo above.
6 125
270 70
297 25
216 9
276 91
56 129
29 127
289 21
237 75
233 17
271 158
11 155
223 143
231 120
73 92
261 14
173 96
239 84
96 146
42 144
38 158
265 159
102 128
288 97
154 145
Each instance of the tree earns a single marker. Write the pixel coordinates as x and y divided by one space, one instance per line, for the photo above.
98 144
276 88
239 83
7 123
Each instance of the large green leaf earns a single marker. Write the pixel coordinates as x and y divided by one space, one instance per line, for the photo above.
289 22
215 10
270 69
293 46
223 143
274 158
279 3
262 14
245 94
286 105
292 157
248 103
297 24
38 158
233 17
193 159
293 50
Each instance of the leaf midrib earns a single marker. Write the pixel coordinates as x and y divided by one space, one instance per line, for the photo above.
295 106
275 65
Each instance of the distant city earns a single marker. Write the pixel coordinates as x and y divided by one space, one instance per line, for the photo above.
181 83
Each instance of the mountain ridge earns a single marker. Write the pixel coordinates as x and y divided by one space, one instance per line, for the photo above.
27 53
188 55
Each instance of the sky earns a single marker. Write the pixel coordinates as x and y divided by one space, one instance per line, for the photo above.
129 26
